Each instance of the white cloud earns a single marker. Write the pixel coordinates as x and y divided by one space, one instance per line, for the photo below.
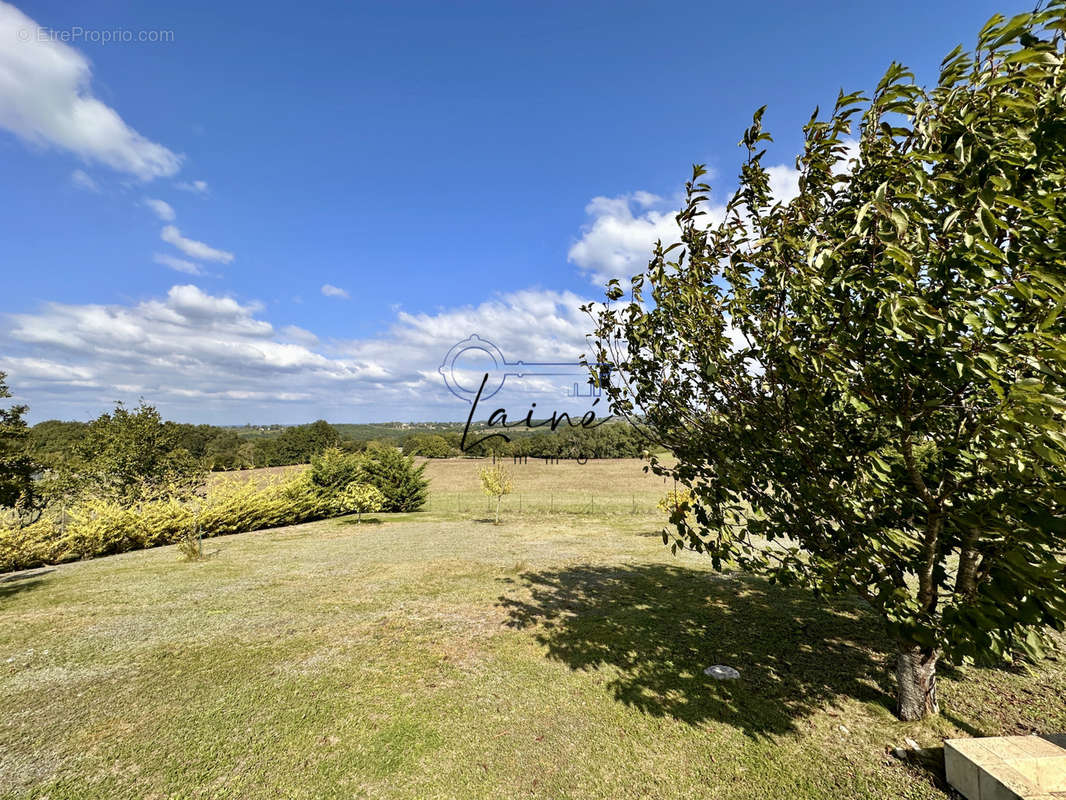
46 99
193 302
41 369
530 325
851 155
784 182
197 187
83 180
618 243
300 335
161 209
214 358
179 264
329 290
193 248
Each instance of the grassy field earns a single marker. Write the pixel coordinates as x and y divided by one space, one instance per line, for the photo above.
600 486
434 655
610 486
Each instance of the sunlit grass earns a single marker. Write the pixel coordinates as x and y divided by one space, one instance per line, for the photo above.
431 655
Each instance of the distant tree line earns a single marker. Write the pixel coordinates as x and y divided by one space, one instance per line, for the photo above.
55 444
610 440
131 456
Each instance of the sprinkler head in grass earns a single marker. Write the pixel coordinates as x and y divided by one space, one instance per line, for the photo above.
720 672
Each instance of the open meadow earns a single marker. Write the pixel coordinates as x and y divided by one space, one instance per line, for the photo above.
609 485
434 655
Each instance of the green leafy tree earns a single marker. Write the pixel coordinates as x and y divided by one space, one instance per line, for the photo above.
428 445
865 387
264 453
133 455
496 482
194 438
362 499
321 436
16 467
219 448
53 442
396 476
225 451
333 469
296 444
352 445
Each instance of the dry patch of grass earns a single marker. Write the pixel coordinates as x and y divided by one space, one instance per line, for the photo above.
599 486
261 476
610 485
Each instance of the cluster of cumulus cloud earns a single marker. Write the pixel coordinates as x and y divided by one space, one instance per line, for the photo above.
47 100
202 355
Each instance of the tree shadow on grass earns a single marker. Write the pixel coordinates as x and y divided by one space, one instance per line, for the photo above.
16 582
365 521
654 628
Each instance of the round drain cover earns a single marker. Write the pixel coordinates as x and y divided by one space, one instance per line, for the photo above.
720 672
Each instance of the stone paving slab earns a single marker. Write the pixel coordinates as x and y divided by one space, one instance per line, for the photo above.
1007 767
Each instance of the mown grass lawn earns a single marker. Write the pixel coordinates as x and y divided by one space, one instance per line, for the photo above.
436 656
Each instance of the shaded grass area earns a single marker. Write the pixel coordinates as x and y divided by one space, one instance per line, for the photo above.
653 625
434 657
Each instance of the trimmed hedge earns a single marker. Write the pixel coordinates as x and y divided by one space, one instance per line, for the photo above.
100 527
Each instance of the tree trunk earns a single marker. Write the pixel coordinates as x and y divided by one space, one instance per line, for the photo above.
916 683
498 498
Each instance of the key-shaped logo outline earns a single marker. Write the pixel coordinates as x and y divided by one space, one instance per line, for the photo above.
504 369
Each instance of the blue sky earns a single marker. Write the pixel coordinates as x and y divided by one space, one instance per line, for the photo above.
175 213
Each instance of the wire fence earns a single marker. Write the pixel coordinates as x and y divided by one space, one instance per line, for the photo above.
545 503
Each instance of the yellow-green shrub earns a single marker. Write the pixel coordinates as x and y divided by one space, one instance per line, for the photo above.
96 527
23 548
165 521
360 498
675 499
235 506
99 528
